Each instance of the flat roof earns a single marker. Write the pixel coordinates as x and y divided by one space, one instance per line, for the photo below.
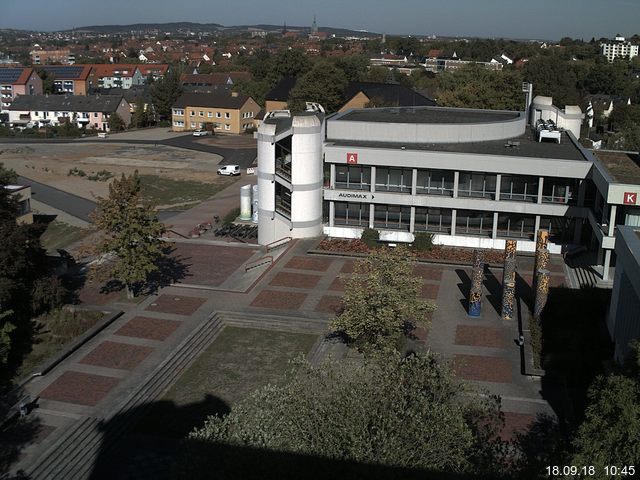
624 167
528 147
434 115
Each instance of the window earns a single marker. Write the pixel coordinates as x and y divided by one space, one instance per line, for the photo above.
283 201
178 112
474 222
209 114
193 124
394 179
178 123
436 220
519 188
353 178
559 190
95 114
201 113
351 214
560 229
434 182
392 217
477 185
513 225
227 115
227 127
218 115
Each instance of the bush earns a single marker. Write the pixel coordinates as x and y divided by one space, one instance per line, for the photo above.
370 237
423 242
75 171
101 176
231 216
47 294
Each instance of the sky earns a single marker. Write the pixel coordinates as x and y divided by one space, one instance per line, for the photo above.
523 19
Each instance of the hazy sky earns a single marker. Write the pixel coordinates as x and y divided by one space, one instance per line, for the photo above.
547 19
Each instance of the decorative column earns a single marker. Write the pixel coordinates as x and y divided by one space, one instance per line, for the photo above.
475 294
509 279
542 292
542 240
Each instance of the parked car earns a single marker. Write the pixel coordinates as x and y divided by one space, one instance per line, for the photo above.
201 133
229 170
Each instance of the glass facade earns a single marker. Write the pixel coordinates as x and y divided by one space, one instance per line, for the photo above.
353 177
434 182
474 222
519 188
514 225
559 190
346 213
392 217
436 220
477 185
394 179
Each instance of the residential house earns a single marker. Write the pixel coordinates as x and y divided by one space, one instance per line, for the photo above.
604 104
213 79
232 113
278 97
22 193
389 60
72 79
118 75
156 71
17 81
43 57
90 111
368 94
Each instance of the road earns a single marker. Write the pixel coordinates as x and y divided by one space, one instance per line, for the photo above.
74 205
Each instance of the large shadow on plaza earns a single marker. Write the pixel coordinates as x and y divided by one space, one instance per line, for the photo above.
150 442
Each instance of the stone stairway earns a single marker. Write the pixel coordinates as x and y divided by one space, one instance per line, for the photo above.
580 271
73 455
311 324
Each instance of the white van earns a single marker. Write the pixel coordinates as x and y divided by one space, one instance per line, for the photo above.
229 170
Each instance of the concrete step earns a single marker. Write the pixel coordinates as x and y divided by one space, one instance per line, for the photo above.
275 322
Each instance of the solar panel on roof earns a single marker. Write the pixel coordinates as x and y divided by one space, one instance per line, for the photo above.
64 71
10 75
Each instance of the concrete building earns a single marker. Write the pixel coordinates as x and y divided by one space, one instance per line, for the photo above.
618 48
225 113
624 321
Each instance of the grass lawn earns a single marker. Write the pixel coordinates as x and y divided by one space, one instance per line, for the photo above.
238 362
61 235
179 194
55 330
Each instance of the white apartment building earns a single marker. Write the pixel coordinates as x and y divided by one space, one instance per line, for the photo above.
619 48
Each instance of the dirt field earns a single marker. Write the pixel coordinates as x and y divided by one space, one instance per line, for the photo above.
51 163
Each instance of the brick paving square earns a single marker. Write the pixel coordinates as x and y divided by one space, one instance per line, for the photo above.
90 294
147 327
295 280
428 272
330 304
477 336
278 299
308 263
430 291
176 304
117 355
209 264
80 388
483 369
337 285
348 266
515 423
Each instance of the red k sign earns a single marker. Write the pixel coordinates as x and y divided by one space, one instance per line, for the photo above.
630 198
352 158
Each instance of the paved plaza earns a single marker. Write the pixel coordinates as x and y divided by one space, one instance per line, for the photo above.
298 292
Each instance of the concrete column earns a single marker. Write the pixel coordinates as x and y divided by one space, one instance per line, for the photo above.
453 222
456 179
582 187
414 182
612 220
606 265
536 226
332 177
540 188
371 214
412 221
494 232
332 213
373 180
498 182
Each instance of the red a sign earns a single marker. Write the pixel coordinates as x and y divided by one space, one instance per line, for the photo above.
352 158
630 198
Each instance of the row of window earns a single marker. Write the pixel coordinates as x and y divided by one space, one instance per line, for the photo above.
439 221
63 114
441 182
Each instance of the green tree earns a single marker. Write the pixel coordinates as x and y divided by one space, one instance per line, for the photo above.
392 411
133 234
166 91
610 433
380 299
140 117
377 74
553 77
324 83
355 67
116 124
47 81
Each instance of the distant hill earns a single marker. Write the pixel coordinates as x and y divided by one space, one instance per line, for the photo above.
183 27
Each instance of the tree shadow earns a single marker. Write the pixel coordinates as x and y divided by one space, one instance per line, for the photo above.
16 434
171 269
149 442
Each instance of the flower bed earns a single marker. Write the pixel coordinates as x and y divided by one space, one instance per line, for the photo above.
437 253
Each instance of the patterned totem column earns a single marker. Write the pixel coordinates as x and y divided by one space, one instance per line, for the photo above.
509 279
542 240
542 292
475 295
